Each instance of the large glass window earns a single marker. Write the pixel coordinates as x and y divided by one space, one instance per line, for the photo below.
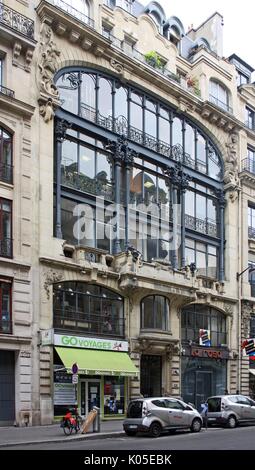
196 317
5 156
5 307
114 393
203 255
87 308
200 210
100 99
219 95
155 313
251 222
250 118
5 228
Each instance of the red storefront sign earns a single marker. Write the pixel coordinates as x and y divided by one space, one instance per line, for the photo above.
210 353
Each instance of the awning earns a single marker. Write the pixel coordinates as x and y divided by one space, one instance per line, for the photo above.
252 371
94 362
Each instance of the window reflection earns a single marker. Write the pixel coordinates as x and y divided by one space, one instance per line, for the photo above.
105 97
155 312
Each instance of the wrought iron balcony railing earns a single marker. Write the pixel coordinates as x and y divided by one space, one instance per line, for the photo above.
6 173
121 127
5 325
73 12
251 232
6 91
14 20
200 225
220 104
248 164
250 125
74 320
6 248
96 186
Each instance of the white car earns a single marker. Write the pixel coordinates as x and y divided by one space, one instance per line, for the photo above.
154 415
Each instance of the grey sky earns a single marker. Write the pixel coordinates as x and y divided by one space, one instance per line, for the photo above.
239 21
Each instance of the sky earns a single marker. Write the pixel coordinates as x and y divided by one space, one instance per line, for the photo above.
239 21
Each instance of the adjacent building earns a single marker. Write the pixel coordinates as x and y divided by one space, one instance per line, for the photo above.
126 184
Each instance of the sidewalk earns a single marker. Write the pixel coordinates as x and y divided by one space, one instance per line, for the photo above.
10 436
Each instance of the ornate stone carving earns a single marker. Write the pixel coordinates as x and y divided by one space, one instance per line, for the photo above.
178 177
247 310
48 61
121 151
50 278
46 109
231 161
117 66
172 349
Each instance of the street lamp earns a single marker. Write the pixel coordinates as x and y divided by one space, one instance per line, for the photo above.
251 269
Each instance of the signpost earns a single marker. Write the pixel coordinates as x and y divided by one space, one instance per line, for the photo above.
75 370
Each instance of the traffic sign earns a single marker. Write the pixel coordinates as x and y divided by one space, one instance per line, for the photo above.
75 368
75 378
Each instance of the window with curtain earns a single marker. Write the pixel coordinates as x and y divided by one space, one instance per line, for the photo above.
155 313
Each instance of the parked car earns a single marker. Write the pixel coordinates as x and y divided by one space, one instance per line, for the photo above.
230 410
155 415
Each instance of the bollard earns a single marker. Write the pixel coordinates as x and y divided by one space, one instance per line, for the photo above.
97 421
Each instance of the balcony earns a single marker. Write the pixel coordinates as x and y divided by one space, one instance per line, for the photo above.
248 164
251 232
79 321
220 104
6 248
6 173
5 324
81 182
16 22
73 12
6 91
200 225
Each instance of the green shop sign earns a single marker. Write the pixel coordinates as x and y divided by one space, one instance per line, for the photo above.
90 343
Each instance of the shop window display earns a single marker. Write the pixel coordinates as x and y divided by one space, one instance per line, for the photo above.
114 396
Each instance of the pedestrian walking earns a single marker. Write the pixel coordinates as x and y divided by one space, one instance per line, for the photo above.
204 413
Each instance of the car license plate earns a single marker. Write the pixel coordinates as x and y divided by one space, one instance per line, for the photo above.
132 426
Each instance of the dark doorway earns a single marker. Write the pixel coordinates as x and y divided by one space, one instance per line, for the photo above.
7 388
151 373
203 387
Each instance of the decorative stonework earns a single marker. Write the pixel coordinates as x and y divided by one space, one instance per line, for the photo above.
50 278
117 66
47 67
231 161
247 310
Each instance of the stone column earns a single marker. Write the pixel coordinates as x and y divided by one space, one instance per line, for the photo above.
222 203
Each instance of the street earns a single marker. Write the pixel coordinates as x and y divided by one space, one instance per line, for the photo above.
241 438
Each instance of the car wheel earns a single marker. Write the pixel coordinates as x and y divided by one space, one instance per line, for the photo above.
231 422
130 433
196 425
155 430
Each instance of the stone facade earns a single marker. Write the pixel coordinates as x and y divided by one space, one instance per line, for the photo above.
59 39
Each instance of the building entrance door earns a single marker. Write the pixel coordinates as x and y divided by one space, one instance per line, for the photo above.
90 395
151 375
203 387
7 388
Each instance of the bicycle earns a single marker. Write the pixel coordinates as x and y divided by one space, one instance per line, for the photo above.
70 423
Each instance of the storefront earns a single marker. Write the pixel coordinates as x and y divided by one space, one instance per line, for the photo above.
103 369
204 353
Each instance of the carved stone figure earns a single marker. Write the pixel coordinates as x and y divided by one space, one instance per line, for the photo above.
48 62
231 161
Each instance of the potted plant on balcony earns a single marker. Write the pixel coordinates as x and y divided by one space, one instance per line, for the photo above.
152 58
193 85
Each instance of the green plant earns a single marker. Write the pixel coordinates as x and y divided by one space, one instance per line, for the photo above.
152 58
193 83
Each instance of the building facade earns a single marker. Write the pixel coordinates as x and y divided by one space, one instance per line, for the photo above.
125 189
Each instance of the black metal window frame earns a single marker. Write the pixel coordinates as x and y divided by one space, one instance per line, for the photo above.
250 118
215 99
251 220
5 315
165 320
112 123
196 250
252 326
6 167
107 129
5 242
102 322
198 316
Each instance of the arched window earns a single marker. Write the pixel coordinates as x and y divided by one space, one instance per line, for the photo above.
155 313
88 308
5 156
204 326
219 95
